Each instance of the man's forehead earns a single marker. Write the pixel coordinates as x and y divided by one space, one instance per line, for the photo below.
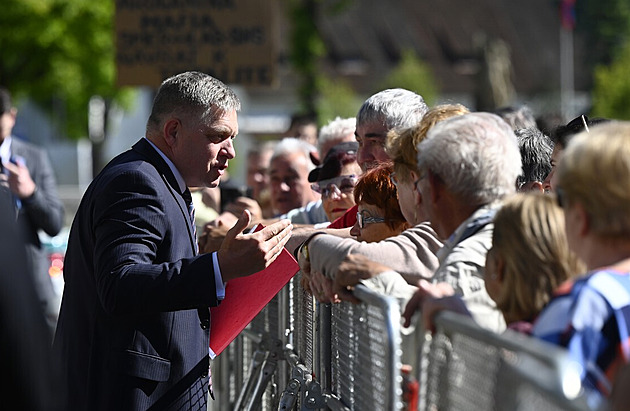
225 123
288 161
371 130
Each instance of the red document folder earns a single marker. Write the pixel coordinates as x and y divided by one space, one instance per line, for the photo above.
245 297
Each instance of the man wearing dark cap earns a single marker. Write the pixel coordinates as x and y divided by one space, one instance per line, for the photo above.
27 174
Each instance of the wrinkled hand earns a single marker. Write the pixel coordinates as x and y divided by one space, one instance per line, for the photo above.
353 269
321 287
241 204
212 237
245 254
19 180
425 290
431 306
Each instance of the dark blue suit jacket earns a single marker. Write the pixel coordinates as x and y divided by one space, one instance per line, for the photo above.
133 331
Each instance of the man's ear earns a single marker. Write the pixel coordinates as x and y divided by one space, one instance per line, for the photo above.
537 186
171 128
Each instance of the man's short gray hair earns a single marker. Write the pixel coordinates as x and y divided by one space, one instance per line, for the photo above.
475 155
395 108
192 92
290 145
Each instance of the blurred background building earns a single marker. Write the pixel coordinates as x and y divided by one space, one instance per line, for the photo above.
331 55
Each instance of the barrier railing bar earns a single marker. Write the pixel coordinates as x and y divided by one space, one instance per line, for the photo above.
391 310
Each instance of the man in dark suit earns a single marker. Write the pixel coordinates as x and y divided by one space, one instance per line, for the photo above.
29 378
133 330
26 171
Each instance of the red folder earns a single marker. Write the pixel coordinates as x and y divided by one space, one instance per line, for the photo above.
245 297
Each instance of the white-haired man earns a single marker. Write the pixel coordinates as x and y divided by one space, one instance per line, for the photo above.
288 176
467 165
339 130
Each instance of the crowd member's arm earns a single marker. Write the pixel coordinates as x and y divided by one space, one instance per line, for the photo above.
302 233
411 254
38 193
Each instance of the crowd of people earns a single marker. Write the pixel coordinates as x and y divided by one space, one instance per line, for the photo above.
493 219
444 208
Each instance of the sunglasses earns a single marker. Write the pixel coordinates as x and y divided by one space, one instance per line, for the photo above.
335 186
363 219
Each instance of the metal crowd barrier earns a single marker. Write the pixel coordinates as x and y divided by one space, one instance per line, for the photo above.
297 354
301 355
465 367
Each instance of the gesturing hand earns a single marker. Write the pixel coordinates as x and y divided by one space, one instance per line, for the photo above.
241 204
241 255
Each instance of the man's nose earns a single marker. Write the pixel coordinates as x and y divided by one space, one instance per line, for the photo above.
364 156
284 186
228 148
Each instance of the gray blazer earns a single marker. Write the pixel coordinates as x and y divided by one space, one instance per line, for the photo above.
42 211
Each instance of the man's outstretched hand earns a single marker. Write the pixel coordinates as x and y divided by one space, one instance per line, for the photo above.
241 255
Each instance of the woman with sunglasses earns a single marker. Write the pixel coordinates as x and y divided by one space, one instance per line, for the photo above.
335 179
379 215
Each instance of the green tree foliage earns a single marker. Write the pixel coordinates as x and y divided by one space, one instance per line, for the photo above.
606 24
60 53
415 75
307 47
611 92
336 98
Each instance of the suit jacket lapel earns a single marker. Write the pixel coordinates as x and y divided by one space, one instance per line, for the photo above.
144 148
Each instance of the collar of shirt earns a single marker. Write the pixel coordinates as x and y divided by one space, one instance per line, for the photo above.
5 150
482 216
178 176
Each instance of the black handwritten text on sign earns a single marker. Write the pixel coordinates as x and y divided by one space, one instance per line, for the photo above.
233 40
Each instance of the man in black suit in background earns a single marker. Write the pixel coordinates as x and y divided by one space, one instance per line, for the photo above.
133 331
27 173
29 378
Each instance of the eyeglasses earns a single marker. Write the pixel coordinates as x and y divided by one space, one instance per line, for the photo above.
363 219
395 181
335 186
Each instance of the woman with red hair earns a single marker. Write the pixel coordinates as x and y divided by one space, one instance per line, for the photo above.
379 215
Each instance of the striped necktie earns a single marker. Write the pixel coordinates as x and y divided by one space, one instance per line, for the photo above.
191 212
